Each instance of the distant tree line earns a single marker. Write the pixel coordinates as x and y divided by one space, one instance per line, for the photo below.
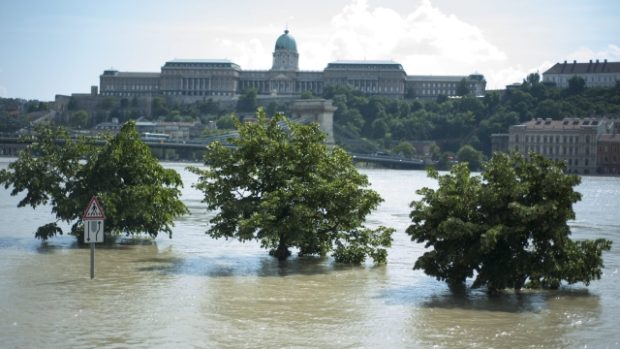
369 123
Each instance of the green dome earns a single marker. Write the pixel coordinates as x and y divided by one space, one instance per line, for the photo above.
286 42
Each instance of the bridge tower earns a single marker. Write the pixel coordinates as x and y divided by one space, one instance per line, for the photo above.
320 111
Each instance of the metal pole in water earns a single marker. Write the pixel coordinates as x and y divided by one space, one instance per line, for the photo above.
92 261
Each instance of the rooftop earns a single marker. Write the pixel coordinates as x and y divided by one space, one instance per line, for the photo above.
584 68
566 123
182 62
134 74
353 61
365 64
286 42
442 78
186 60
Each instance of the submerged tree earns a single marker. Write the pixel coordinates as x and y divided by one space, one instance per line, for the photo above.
137 193
282 186
508 227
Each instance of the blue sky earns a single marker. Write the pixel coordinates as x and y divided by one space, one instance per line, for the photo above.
61 47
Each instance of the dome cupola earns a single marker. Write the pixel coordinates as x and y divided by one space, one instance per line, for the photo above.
285 56
286 42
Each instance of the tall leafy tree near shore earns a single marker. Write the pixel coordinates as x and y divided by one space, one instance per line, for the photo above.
282 186
506 228
137 193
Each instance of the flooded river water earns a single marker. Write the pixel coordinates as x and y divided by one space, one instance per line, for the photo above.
195 292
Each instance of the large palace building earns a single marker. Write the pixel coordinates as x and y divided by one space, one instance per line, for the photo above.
595 74
223 78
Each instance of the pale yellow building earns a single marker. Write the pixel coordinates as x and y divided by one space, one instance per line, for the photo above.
195 79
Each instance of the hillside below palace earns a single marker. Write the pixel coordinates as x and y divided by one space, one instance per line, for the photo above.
221 78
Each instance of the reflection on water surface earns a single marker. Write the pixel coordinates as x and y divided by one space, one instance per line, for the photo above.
192 291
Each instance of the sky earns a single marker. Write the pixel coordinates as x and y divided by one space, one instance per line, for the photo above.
62 46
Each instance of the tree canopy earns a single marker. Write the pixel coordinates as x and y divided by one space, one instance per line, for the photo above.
247 101
506 228
365 123
471 156
282 186
462 89
137 193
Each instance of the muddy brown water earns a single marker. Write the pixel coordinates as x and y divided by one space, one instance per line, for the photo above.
195 292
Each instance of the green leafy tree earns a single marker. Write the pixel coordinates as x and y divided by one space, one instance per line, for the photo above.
11 123
158 105
379 128
307 95
576 85
533 79
507 227
137 193
226 122
173 116
79 119
405 149
209 107
462 88
282 186
247 101
471 156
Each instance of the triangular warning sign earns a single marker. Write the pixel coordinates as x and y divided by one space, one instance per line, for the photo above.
93 210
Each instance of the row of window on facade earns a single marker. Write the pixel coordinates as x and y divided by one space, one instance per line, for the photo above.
126 94
437 84
201 65
606 158
206 84
553 150
180 73
614 148
197 93
130 87
587 78
372 87
553 139
438 92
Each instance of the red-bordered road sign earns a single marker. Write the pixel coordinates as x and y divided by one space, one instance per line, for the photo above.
93 211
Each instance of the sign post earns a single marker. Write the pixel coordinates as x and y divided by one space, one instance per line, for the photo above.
93 218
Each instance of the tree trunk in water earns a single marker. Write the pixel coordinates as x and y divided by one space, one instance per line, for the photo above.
282 251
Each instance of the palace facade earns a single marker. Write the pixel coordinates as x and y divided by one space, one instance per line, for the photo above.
594 73
223 78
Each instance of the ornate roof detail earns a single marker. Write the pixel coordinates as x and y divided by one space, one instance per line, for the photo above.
286 42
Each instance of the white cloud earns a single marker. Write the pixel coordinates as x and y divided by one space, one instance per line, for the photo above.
425 41
249 54
585 54
500 77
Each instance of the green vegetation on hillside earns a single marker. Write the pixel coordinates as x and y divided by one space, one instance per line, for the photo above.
370 123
